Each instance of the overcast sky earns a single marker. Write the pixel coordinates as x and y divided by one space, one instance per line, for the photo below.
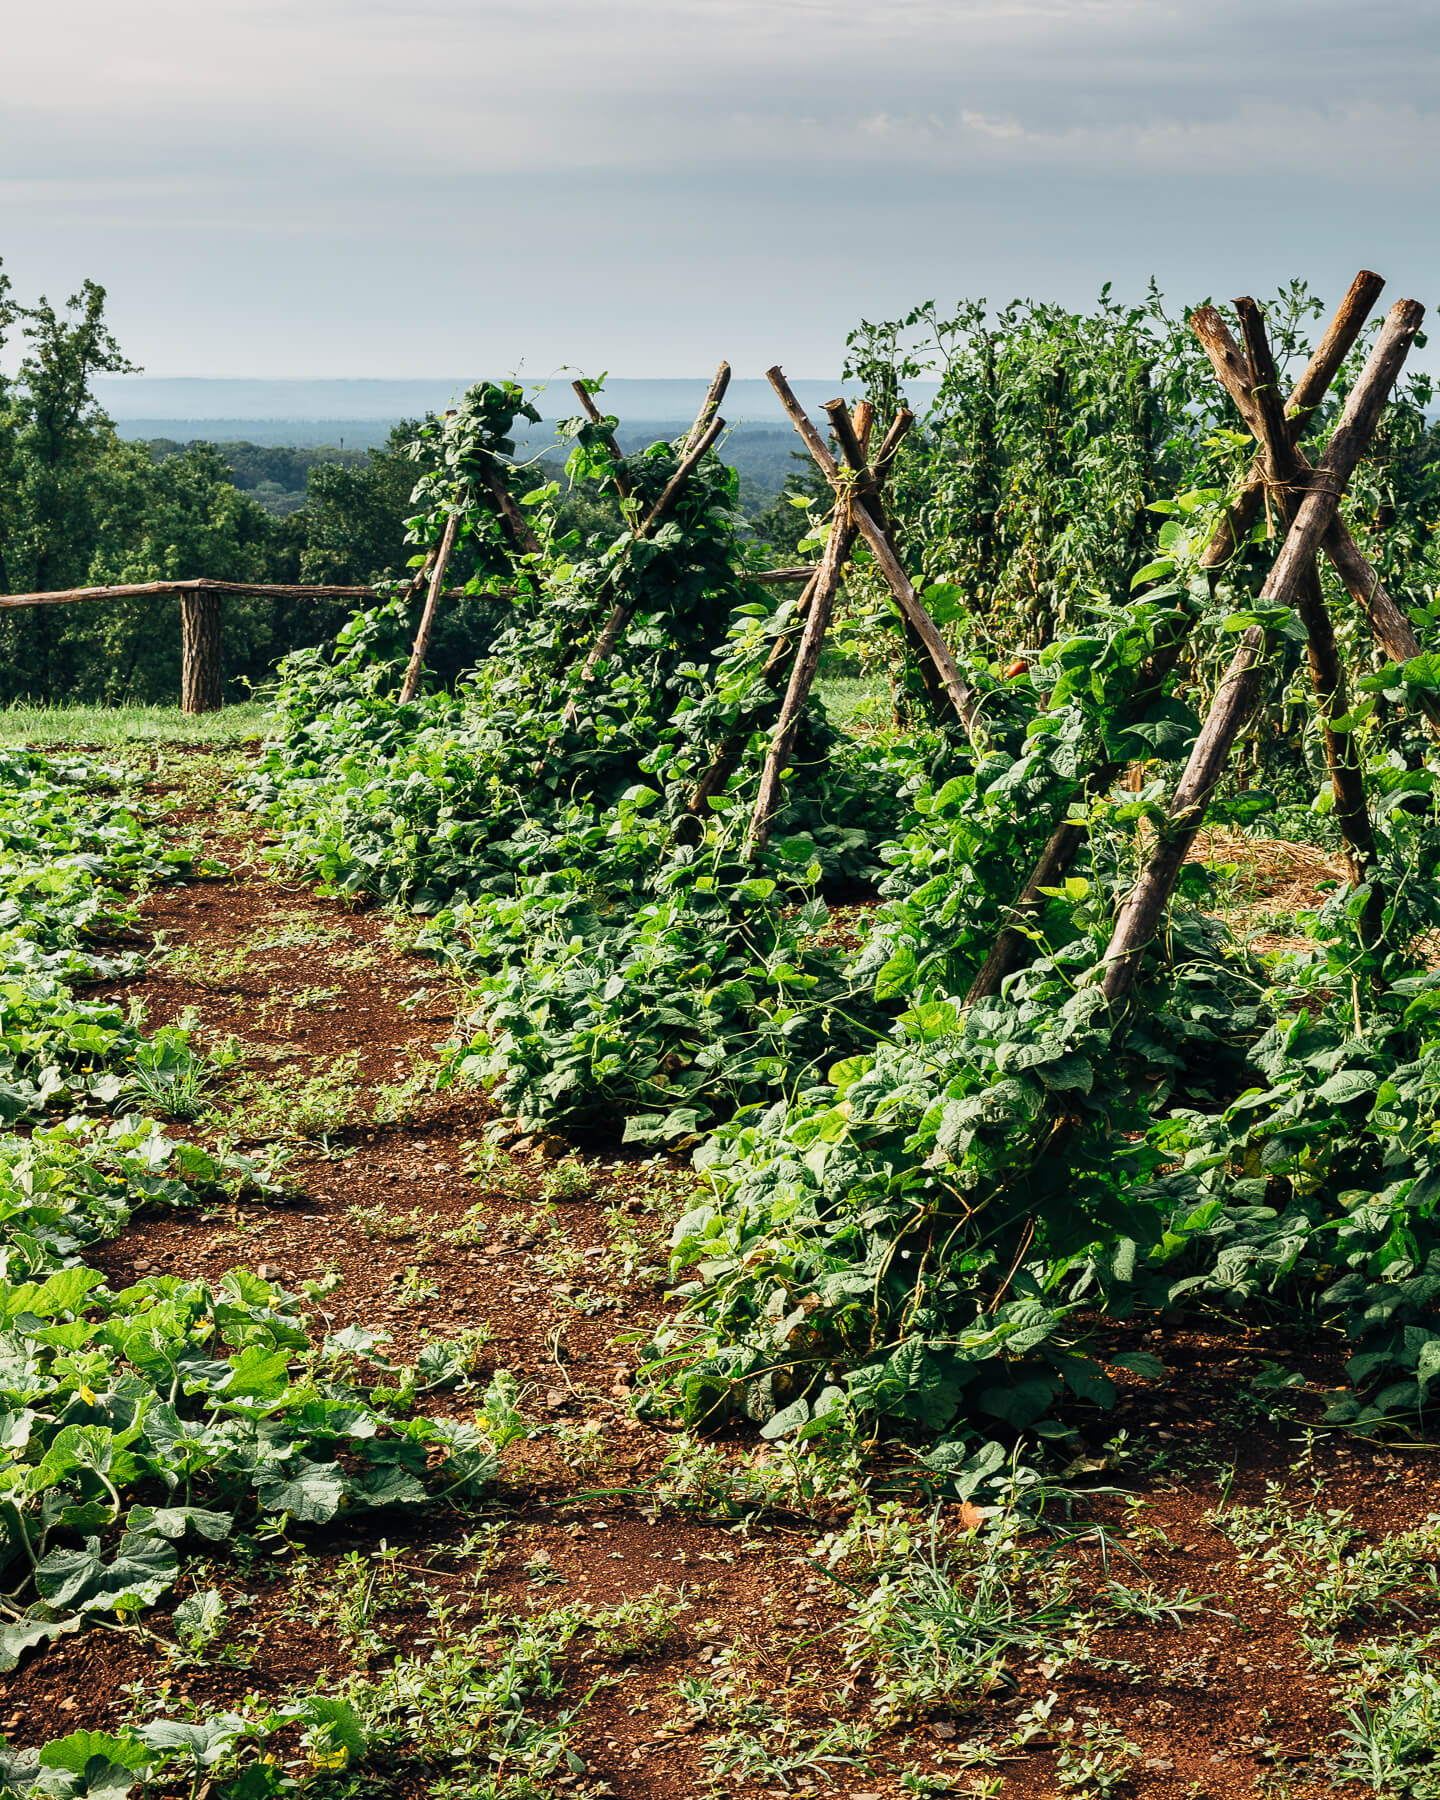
441 187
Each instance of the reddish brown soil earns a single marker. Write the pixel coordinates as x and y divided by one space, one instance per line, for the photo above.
1216 1704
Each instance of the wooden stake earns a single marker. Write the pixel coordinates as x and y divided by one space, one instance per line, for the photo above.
1010 947
517 526
709 406
1392 629
1336 344
1235 699
621 613
802 676
1327 676
427 618
622 480
732 748
912 608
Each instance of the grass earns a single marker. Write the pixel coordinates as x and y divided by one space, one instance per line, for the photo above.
852 702
857 702
116 727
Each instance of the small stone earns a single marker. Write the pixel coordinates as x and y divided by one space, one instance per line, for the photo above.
1159 1765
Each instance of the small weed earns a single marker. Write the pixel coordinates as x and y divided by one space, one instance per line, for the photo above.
1097 1759
568 1180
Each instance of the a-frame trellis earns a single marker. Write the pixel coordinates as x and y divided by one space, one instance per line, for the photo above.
1307 499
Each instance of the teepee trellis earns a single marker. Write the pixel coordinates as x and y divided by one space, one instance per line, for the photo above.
1235 700
1391 628
776 672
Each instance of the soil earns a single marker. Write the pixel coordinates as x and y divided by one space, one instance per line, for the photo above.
1217 1701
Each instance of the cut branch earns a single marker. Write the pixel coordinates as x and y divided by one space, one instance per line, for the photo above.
709 406
802 676
596 417
872 528
622 612
427 618
1339 339
1327 676
1009 949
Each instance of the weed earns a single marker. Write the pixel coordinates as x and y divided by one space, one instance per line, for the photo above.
1096 1759
413 1290
567 1180
312 1108
942 1627
638 1628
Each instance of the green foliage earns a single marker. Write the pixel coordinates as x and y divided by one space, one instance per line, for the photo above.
136 1417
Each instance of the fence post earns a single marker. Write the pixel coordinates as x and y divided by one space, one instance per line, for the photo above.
201 685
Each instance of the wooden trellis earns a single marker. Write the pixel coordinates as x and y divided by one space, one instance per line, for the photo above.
1307 499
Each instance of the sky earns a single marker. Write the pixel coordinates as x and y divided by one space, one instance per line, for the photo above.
429 188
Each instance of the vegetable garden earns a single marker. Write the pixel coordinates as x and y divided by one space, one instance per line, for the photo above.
906 1132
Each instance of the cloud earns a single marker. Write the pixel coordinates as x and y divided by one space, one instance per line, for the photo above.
407 185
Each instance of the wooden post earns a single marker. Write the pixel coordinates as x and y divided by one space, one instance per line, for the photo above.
802 676
596 417
202 687
701 437
1235 699
709 406
1337 343
427 618
912 608
1327 676
786 647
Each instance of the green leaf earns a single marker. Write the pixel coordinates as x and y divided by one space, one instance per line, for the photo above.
175 1521
1153 571
312 1493
104 1765
1346 1085
900 974
25 1634
1423 670
143 1567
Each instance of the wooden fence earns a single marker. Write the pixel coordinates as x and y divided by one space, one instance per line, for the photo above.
201 600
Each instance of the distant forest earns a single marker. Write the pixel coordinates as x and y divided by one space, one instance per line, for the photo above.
278 475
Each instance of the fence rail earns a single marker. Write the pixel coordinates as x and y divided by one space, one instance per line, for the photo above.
201 676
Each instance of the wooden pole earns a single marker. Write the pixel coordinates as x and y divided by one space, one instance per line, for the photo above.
1327 676
427 618
709 406
852 448
596 417
202 687
1392 629
620 614
732 748
872 529
517 526
1235 699
838 544
1336 344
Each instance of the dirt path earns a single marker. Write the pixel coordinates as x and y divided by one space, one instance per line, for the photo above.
728 1667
